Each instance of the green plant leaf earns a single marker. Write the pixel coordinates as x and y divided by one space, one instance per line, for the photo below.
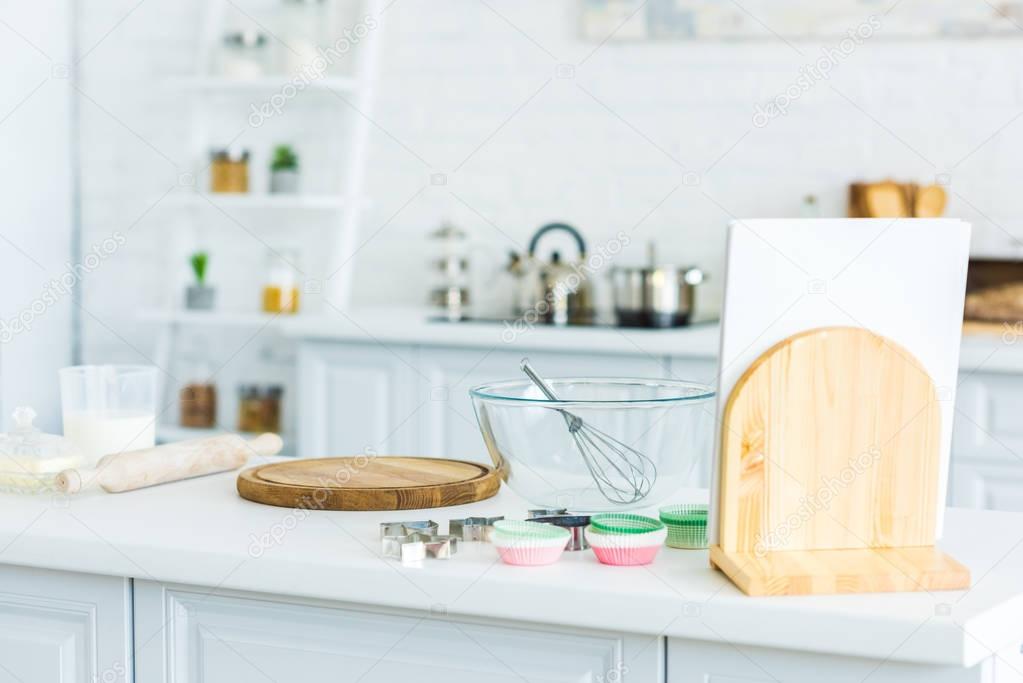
284 159
199 260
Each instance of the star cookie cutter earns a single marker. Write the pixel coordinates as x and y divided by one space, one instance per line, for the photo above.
426 526
416 546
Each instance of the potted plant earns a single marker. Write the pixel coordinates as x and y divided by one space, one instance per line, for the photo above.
198 296
284 170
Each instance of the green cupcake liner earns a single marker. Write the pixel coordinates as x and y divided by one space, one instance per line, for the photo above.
624 523
687 525
509 529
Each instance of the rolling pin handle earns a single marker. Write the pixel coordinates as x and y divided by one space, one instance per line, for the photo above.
73 481
267 444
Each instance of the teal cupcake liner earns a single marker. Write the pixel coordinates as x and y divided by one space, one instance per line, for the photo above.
687 525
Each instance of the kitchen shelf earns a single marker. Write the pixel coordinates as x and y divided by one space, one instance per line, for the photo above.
215 318
226 200
168 433
269 84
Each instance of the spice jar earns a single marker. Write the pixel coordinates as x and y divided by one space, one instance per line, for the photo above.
280 293
303 29
198 405
259 408
244 55
229 170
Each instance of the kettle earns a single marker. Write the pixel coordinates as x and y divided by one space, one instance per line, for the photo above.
554 291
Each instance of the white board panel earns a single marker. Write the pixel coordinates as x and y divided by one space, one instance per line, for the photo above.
904 279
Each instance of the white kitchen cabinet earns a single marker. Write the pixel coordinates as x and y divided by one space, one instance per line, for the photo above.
987 444
66 628
415 400
188 635
703 662
703 370
988 410
357 398
448 423
987 486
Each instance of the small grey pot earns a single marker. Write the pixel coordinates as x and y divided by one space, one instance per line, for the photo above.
284 182
200 297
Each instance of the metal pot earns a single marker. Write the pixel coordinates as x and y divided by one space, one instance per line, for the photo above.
654 296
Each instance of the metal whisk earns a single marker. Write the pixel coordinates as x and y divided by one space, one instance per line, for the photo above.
622 474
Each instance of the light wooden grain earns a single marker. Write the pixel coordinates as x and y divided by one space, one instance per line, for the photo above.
361 483
830 441
823 572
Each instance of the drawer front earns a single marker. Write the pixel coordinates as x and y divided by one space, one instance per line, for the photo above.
987 424
701 662
990 487
60 626
189 635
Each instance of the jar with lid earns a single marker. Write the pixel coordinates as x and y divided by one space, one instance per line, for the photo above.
259 408
303 26
244 55
30 460
198 401
280 292
229 170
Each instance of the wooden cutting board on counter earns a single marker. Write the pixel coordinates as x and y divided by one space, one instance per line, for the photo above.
364 483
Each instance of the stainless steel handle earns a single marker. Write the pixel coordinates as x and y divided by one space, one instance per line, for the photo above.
537 380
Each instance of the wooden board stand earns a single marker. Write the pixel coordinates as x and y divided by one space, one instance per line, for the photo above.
829 468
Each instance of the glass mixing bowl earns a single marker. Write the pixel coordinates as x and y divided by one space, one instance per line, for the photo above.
606 444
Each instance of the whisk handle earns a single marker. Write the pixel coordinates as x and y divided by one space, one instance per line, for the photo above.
537 380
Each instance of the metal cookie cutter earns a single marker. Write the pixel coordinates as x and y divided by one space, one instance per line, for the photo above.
545 512
473 528
414 547
574 523
426 526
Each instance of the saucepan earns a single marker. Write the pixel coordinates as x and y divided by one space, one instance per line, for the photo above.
654 296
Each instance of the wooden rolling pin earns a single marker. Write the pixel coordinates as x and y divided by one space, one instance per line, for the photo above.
172 462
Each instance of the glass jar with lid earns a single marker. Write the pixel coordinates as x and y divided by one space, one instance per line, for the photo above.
280 291
304 29
30 460
244 55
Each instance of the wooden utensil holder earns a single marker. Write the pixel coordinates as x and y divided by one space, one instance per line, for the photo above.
829 471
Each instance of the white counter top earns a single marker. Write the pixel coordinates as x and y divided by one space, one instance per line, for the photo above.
994 352
419 326
200 532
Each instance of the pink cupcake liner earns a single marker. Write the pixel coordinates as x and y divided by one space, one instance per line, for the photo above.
626 557
529 556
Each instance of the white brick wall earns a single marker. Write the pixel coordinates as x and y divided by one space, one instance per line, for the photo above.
453 72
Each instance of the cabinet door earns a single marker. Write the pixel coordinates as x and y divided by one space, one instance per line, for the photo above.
991 487
448 428
987 424
189 635
702 662
357 398
63 627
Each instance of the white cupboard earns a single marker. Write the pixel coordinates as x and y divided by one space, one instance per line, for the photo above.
190 635
415 400
987 443
62 627
700 662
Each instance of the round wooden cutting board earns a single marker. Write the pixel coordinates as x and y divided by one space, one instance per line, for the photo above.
361 483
